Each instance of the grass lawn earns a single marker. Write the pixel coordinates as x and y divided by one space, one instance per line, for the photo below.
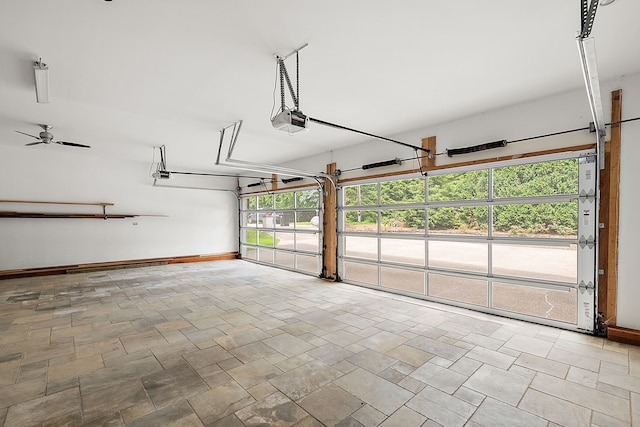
264 239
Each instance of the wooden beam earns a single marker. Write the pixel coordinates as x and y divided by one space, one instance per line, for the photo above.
429 143
613 207
474 162
330 238
289 187
274 182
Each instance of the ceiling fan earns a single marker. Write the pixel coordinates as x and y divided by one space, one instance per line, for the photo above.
46 137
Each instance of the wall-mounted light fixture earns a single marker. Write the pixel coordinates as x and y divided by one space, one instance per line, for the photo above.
42 81
395 161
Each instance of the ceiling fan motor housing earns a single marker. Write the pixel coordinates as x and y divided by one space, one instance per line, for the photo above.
46 136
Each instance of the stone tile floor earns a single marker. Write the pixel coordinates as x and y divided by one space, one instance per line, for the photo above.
232 343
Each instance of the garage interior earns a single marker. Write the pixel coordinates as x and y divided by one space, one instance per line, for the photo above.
300 214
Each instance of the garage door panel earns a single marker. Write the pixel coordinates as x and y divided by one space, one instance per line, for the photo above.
516 239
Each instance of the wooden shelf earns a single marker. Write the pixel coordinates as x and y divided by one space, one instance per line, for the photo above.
103 215
56 203
8 214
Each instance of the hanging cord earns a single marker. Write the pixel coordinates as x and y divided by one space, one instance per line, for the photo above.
297 99
153 161
275 88
419 160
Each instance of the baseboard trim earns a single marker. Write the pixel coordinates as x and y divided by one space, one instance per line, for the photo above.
623 335
113 265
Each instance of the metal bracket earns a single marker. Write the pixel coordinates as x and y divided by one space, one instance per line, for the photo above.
584 196
589 287
590 242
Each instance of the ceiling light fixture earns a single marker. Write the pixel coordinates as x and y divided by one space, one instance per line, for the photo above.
42 81
606 2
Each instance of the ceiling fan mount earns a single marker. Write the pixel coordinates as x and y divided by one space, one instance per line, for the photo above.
46 137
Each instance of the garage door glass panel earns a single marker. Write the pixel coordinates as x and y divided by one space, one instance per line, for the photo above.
463 220
539 220
247 219
463 256
457 288
249 252
305 220
366 221
258 237
545 303
307 199
403 251
526 223
557 177
307 263
402 191
265 201
307 242
403 280
402 221
285 200
361 247
265 255
288 222
361 195
250 202
458 186
285 240
285 259
547 263
363 273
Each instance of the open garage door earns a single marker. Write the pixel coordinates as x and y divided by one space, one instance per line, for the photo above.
514 239
283 229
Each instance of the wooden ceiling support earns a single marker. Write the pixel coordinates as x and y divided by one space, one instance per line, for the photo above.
609 219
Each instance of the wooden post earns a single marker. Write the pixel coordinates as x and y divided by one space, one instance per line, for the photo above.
609 217
430 144
274 182
330 238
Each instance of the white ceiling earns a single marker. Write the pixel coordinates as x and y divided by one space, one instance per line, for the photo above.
127 75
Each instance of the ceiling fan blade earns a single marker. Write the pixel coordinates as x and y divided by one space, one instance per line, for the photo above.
72 144
34 143
28 134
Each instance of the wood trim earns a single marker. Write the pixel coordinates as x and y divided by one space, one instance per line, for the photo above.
293 187
612 166
516 156
430 144
475 162
100 266
380 175
330 238
624 335
55 203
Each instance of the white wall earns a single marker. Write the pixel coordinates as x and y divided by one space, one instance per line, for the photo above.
553 114
198 222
